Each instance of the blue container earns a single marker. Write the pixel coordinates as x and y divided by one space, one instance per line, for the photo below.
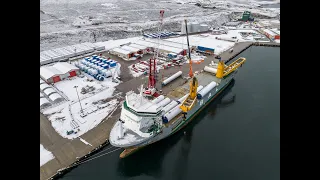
105 66
94 56
94 61
108 61
101 64
87 59
205 49
113 64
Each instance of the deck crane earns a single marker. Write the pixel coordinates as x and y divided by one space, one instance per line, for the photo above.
223 70
151 89
190 101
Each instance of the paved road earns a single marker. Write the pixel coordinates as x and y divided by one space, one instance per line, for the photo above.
66 151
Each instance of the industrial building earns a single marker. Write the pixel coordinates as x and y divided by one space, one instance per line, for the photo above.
64 53
122 53
58 72
165 46
133 50
56 98
161 34
246 16
194 27
44 102
270 34
144 49
49 91
44 86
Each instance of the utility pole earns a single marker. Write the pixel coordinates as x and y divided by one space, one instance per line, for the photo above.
78 98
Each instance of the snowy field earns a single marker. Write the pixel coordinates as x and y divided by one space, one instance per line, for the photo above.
68 22
45 155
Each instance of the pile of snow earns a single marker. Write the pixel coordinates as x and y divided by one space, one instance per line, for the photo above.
45 155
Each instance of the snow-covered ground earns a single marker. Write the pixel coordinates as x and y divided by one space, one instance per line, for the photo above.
67 22
45 155
67 116
67 86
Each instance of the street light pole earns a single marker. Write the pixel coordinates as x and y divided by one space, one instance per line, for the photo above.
78 98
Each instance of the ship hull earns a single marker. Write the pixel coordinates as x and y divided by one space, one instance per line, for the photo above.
182 120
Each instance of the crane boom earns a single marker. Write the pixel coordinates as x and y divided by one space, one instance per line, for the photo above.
189 53
190 101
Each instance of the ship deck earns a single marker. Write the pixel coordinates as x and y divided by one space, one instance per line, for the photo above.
203 78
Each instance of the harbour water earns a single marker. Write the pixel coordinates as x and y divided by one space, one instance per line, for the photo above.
235 137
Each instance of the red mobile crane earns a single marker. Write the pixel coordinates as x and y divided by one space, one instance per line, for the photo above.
151 89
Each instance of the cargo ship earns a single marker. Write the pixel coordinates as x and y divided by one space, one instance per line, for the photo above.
144 120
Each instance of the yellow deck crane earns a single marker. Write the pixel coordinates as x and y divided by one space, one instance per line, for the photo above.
223 70
190 101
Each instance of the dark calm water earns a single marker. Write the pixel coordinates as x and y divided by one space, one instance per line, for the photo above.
235 141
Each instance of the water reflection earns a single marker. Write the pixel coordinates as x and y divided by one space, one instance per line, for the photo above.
149 161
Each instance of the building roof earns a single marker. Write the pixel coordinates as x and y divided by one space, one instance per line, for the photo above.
49 91
44 86
55 97
59 68
44 101
138 46
164 45
65 67
169 43
131 49
121 51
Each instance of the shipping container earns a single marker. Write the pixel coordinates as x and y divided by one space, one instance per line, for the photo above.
205 49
